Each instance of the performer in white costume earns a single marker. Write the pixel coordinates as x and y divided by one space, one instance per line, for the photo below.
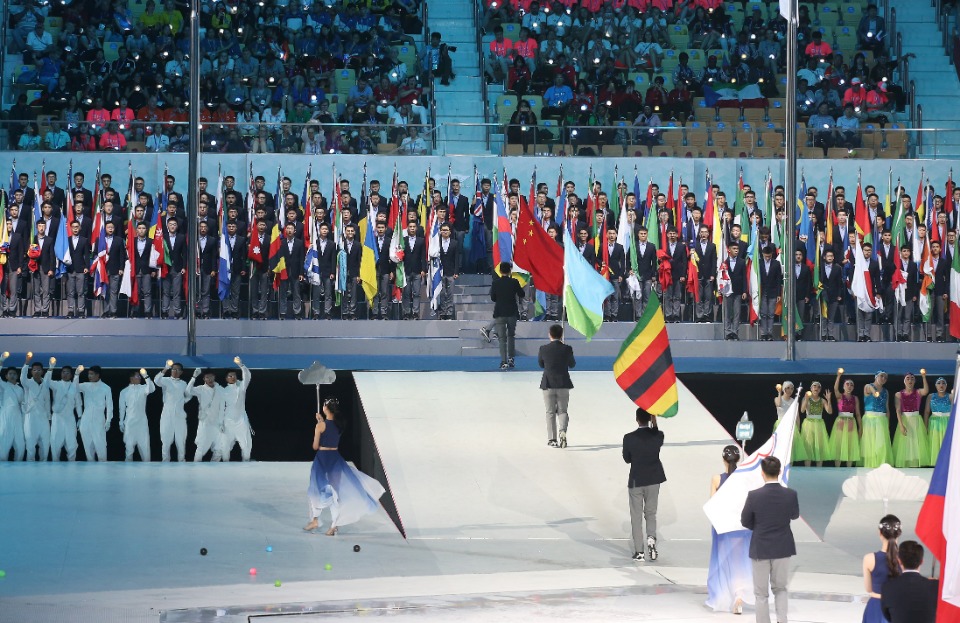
210 429
96 415
36 407
11 415
133 415
236 426
63 426
173 419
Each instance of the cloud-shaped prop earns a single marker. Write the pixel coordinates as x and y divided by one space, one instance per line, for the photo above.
317 374
885 483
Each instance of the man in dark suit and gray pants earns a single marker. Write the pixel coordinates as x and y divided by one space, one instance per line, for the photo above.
768 511
504 293
556 359
910 597
641 449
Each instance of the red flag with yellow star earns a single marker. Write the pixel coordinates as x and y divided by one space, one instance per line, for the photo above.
538 253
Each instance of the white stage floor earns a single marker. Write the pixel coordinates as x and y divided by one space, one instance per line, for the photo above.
500 527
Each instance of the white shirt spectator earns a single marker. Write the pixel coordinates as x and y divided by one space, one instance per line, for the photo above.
413 146
315 144
175 68
55 141
560 22
157 143
39 43
274 119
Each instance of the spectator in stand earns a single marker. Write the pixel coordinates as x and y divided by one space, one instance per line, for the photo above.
821 126
123 117
829 96
556 99
413 144
647 133
83 141
29 140
680 103
98 117
519 78
856 96
526 47
157 141
818 49
848 128
649 53
806 100
872 30
498 56
56 139
435 60
879 107
39 42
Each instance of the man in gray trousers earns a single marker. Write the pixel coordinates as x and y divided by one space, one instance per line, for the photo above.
768 512
556 359
641 449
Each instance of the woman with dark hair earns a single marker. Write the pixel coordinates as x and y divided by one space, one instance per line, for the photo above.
730 575
335 484
937 416
880 566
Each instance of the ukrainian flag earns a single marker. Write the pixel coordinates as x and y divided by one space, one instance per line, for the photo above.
369 256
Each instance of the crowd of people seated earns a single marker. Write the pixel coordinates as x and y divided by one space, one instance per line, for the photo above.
276 76
602 63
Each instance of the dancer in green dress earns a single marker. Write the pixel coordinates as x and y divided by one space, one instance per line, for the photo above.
845 436
875 441
816 442
937 413
910 445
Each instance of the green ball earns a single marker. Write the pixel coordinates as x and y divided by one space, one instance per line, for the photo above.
3 573
277 583
328 566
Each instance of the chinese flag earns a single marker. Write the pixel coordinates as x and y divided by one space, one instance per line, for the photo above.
538 253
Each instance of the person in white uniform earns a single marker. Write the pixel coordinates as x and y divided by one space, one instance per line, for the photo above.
63 425
36 407
96 414
173 419
236 426
11 415
133 415
210 428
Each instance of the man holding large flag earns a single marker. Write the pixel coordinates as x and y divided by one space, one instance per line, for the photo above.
641 449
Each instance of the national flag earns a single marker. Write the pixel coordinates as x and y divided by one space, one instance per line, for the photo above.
476 238
862 216
591 205
435 270
305 195
502 228
831 215
948 204
626 238
13 177
652 224
920 208
584 291
898 281
37 212
806 225
724 508
770 212
926 275
693 275
954 310
4 238
644 367
397 215
753 281
862 285
61 248
532 202
938 524
69 196
560 203
278 202
251 205
740 215
733 95
278 264
43 177
540 254
671 205
128 281
226 253
369 256
98 265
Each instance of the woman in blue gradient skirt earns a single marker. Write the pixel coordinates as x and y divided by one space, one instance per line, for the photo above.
730 575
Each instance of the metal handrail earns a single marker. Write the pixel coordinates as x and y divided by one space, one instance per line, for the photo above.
892 26
919 126
913 101
905 71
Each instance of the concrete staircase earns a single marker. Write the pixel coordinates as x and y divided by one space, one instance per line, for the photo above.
461 102
938 88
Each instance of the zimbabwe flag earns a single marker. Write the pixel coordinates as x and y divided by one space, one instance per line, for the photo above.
644 367
278 263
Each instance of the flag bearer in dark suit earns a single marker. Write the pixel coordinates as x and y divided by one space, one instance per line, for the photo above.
646 270
237 244
327 267
736 293
910 597
116 260
261 279
803 285
616 269
209 250
143 272
385 272
768 512
556 359
771 285
831 277
172 285
641 449
78 247
450 265
676 252
706 253
415 268
43 276
292 252
352 247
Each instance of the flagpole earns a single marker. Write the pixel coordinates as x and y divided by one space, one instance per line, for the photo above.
790 174
194 166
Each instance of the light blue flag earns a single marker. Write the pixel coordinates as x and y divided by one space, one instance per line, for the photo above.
584 290
62 248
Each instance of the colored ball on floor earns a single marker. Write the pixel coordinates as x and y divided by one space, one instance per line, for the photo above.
203 551
269 548
277 583
328 566
3 573
356 548
253 571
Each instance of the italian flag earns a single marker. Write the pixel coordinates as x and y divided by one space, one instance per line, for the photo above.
955 292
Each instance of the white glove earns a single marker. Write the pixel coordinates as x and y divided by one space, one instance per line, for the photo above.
196 372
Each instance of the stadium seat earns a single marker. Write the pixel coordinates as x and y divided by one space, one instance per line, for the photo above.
136 146
343 79
812 153
763 152
408 54
110 51
722 137
386 148
663 151
506 105
511 31
536 103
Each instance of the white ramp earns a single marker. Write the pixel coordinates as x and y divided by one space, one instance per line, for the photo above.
465 455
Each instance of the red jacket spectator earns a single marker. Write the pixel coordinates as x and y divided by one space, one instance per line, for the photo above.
709 4
656 98
856 94
526 49
123 116
877 98
151 113
83 142
818 48
113 141
592 6
98 118
501 48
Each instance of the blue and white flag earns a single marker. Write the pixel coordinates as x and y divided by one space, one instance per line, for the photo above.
724 508
435 282
62 248
311 265
226 253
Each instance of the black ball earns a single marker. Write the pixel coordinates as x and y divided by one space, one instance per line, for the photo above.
356 548
203 551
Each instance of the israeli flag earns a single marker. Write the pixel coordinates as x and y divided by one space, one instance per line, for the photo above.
311 266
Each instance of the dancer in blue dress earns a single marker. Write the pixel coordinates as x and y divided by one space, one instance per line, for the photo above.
879 567
937 416
730 575
335 484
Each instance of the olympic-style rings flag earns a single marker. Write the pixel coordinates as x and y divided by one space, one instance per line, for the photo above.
724 508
